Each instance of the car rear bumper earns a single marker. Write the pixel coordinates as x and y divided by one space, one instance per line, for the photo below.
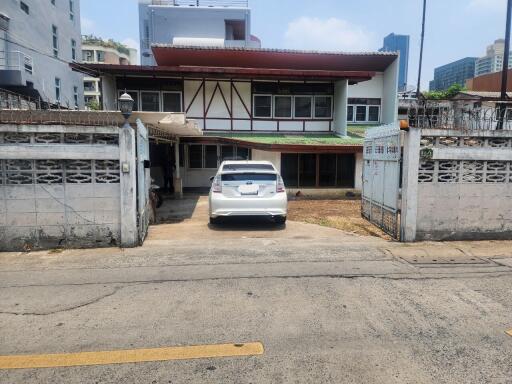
276 205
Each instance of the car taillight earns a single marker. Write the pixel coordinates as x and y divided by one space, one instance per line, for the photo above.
216 186
280 185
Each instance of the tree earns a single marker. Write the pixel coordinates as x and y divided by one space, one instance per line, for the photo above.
444 95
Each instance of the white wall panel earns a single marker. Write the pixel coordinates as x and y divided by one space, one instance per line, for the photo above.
317 126
264 125
294 126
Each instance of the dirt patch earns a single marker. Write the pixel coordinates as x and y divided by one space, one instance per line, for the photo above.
340 214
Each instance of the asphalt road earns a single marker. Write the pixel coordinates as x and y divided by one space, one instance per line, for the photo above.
327 307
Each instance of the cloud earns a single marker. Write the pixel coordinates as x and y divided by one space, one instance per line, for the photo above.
330 34
488 5
88 26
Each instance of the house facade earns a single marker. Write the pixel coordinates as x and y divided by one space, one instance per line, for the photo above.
38 40
304 111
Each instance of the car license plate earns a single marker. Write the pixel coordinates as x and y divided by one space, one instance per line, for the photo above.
249 189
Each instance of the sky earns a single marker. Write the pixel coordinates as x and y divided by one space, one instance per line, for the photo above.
454 28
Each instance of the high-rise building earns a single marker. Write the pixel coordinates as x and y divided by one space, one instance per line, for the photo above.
399 43
96 51
456 72
222 23
493 59
38 40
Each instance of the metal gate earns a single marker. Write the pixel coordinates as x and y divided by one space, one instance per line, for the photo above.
381 178
143 181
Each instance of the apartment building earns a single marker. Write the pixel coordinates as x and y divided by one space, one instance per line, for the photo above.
456 72
220 23
96 50
399 43
493 60
39 38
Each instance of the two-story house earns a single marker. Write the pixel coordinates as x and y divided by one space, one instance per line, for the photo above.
289 107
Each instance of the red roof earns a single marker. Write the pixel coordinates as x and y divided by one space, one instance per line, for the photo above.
225 72
170 55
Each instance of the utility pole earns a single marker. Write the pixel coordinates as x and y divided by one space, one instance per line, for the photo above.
504 73
418 92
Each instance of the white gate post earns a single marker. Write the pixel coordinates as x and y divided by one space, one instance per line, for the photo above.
411 163
129 234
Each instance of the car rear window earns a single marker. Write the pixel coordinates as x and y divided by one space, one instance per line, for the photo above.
249 177
255 167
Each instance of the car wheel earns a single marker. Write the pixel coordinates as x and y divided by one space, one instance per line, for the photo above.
280 219
214 220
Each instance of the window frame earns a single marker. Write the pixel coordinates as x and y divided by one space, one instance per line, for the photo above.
25 7
315 117
378 114
292 104
311 99
254 105
72 10
55 40
97 58
73 49
75 95
356 106
174 92
58 89
152 92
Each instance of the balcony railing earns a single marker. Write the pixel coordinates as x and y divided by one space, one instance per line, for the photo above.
16 61
203 3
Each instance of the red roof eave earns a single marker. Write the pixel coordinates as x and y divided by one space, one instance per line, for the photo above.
117 69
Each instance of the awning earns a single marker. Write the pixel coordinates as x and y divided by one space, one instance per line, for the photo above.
165 125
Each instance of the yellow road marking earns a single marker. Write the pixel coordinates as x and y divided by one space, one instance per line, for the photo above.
509 332
130 356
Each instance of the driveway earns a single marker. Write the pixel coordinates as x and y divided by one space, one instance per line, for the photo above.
187 219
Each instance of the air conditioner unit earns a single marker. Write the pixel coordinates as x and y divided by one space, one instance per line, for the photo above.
4 21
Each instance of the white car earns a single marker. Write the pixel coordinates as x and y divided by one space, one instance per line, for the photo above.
248 188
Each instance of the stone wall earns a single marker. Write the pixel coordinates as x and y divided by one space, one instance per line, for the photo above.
60 186
457 185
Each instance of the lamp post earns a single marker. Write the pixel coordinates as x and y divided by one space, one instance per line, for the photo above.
126 107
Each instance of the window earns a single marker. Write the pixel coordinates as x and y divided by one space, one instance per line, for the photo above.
361 113
171 101
195 156
55 40
283 107
373 113
71 10
210 156
24 7
230 152
235 29
89 86
227 152
202 156
262 106
73 49
75 95
303 106
57 89
135 97
350 113
318 170
100 56
88 55
150 101
323 107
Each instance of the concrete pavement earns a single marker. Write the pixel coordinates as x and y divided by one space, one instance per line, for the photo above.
328 307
